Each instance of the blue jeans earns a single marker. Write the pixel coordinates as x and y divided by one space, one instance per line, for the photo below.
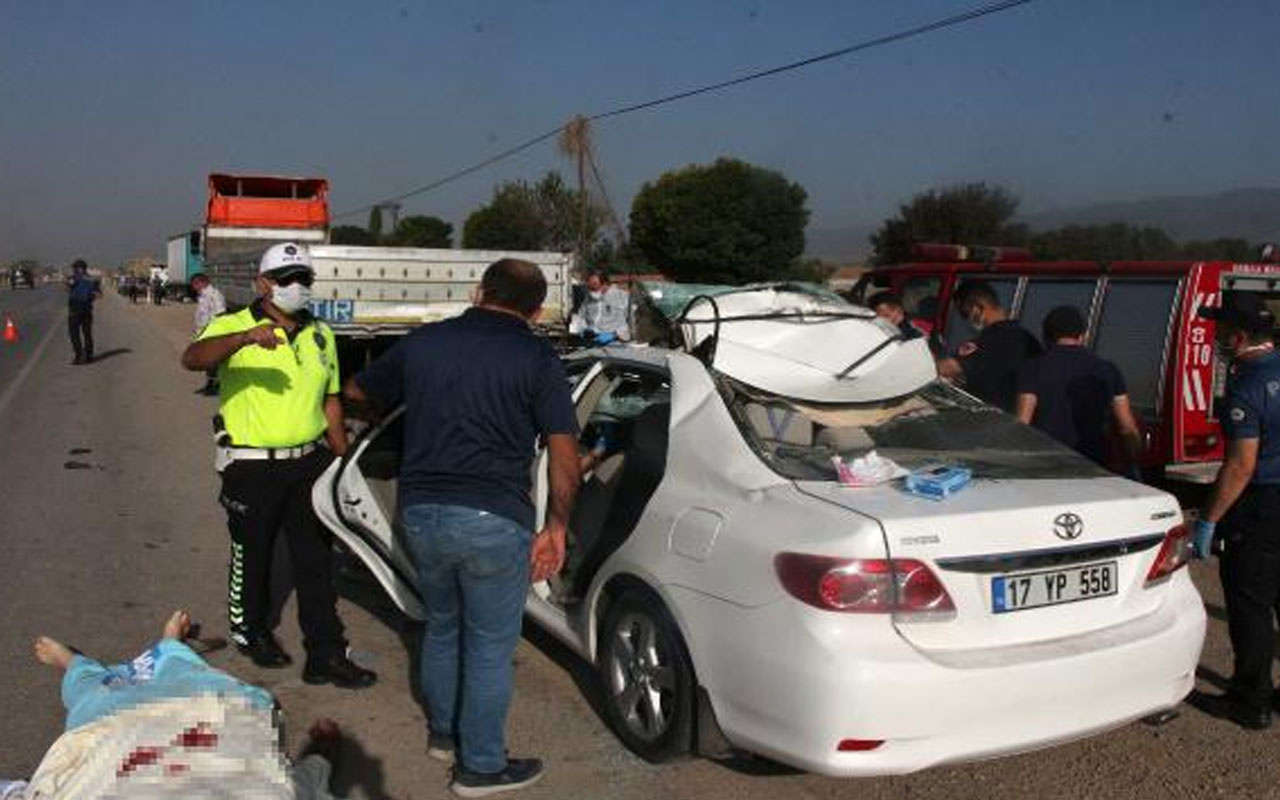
473 574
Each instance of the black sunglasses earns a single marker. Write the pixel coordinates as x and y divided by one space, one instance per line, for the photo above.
306 278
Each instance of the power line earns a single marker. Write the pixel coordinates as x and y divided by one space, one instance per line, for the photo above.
880 41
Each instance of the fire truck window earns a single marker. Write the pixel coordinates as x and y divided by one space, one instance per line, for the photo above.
920 297
1131 333
958 329
1042 296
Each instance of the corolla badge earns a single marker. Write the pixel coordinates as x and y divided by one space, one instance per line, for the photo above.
1068 526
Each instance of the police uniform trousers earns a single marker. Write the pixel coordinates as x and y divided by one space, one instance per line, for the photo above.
80 328
262 497
1250 572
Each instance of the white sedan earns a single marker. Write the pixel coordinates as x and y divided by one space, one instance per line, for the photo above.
733 593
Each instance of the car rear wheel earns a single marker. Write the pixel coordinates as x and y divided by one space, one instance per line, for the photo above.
648 681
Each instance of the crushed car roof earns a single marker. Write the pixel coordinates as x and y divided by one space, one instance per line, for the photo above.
790 340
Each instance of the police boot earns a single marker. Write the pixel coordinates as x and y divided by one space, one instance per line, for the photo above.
264 651
338 670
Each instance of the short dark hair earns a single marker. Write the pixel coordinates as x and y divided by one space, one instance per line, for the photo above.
515 285
199 276
79 264
883 299
596 272
1063 322
975 291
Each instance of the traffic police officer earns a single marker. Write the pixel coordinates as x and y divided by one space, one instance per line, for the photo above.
278 370
1243 508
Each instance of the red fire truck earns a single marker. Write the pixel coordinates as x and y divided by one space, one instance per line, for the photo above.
1141 316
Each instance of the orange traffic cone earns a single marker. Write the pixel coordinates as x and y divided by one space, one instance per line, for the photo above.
10 330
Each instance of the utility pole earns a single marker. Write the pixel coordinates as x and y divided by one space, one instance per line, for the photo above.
575 142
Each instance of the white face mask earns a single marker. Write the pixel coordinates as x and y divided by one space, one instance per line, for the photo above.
597 295
291 298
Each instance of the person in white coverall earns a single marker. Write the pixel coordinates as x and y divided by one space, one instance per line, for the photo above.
605 313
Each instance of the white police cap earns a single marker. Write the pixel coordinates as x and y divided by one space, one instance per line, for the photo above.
283 256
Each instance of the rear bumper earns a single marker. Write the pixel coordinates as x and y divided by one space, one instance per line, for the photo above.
820 686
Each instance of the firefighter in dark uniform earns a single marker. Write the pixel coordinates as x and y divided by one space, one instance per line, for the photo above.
281 426
1244 506
988 366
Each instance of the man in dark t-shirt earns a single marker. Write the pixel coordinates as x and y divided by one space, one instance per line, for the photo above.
81 292
479 392
888 306
1071 394
988 366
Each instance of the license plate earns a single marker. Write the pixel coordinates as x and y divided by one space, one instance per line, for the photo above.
1053 587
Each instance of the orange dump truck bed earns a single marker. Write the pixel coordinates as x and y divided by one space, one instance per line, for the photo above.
260 201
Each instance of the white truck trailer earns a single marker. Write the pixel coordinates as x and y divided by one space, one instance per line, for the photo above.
369 295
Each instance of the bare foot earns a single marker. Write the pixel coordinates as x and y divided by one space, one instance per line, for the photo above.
178 625
52 652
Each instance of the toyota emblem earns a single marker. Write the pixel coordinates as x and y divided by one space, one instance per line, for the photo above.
1068 526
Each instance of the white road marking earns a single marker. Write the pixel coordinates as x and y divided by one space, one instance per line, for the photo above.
7 396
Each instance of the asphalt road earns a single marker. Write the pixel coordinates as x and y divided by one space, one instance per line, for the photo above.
108 522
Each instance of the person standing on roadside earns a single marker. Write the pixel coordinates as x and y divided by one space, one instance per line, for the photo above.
1244 506
1071 394
279 426
479 390
209 304
988 366
82 290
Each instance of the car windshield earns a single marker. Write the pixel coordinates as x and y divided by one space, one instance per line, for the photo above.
936 424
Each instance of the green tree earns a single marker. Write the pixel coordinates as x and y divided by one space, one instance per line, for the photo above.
375 222
422 231
1220 249
729 222
510 221
351 234
969 213
1115 241
541 216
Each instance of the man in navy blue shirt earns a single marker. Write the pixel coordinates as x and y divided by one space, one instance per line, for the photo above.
81 292
1244 505
479 392
1072 395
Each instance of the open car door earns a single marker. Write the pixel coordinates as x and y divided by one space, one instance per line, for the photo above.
356 499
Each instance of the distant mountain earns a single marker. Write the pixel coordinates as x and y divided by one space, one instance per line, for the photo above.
1250 214
841 245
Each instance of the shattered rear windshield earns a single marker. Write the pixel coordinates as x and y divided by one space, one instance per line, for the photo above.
938 423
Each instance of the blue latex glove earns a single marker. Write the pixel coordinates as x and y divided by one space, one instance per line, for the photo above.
605 338
1202 537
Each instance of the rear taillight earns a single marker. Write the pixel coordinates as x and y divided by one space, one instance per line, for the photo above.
1175 552
863 585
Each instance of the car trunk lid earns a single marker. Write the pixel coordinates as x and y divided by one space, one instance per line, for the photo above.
1077 552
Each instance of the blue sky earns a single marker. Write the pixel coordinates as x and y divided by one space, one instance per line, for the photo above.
113 113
